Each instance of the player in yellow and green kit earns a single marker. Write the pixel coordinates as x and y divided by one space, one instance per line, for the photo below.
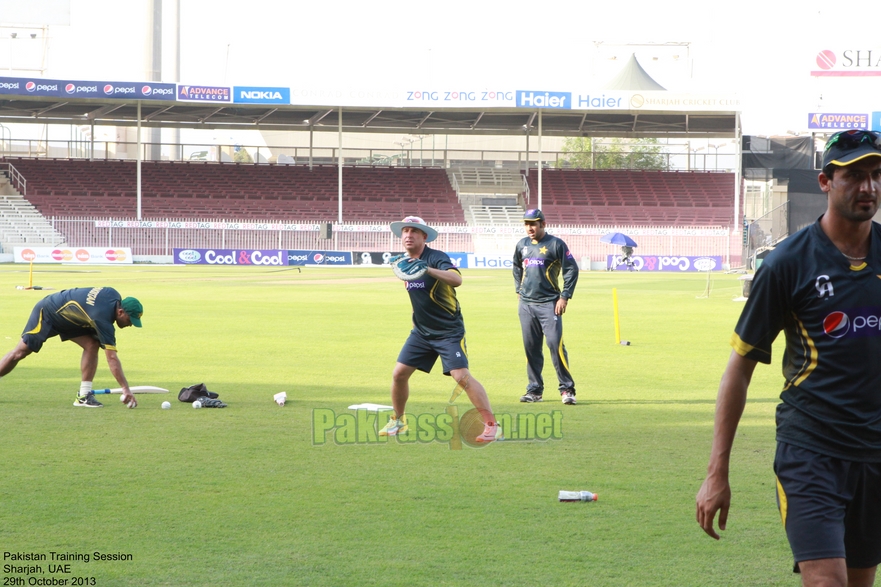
87 316
540 260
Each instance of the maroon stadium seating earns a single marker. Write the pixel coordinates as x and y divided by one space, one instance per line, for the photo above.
107 189
61 187
635 198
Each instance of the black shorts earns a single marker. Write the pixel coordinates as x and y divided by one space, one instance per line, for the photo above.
40 328
422 353
830 507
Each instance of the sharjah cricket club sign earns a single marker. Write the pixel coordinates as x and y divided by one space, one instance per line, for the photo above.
80 255
851 61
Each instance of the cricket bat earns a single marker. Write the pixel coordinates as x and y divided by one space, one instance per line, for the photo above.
134 388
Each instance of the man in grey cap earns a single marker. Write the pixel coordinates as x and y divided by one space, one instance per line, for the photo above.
85 315
821 288
541 262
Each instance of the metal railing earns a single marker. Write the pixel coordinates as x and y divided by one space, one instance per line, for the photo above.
16 179
675 157
165 235
764 233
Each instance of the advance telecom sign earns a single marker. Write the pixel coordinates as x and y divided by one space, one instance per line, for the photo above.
837 121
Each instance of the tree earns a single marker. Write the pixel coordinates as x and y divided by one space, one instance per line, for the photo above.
242 156
587 153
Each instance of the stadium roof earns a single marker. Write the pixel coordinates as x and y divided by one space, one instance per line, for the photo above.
634 106
475 120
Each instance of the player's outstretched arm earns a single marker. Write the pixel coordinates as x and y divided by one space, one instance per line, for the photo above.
451 277
116 369
715 493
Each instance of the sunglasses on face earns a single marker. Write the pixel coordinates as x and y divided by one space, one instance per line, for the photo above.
852 139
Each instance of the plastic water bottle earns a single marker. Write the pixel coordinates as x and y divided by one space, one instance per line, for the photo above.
577 496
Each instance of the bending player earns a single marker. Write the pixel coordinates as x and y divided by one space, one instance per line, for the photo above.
87 317
438 327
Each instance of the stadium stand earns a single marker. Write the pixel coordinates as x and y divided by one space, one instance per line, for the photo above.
487 181
76 187
490 196
20 222
635 198
230 191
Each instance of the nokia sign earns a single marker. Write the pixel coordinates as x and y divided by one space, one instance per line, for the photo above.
261 95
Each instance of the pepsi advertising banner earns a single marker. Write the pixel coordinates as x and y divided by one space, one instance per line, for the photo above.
319 258
230 257
260 95
665 263
86 89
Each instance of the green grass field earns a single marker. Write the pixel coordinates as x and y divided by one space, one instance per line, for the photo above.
243 496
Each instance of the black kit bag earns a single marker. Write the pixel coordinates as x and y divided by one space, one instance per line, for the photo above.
195 392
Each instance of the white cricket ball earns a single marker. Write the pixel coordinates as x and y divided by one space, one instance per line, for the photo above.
166 405
197 404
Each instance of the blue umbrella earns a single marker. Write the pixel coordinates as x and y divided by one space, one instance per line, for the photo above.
618 238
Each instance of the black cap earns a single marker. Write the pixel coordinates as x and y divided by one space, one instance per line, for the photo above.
533 215
849 146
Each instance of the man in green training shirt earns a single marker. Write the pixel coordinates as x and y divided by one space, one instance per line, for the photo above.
85 315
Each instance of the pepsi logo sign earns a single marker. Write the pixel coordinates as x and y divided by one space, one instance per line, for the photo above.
108 89
30 86
70 88
317 257
151 91
836 324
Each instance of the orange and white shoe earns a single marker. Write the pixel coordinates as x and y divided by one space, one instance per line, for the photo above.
491 431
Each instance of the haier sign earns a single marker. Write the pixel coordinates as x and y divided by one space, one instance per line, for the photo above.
530 99
261 95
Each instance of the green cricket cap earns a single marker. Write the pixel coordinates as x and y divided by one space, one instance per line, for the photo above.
134 309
